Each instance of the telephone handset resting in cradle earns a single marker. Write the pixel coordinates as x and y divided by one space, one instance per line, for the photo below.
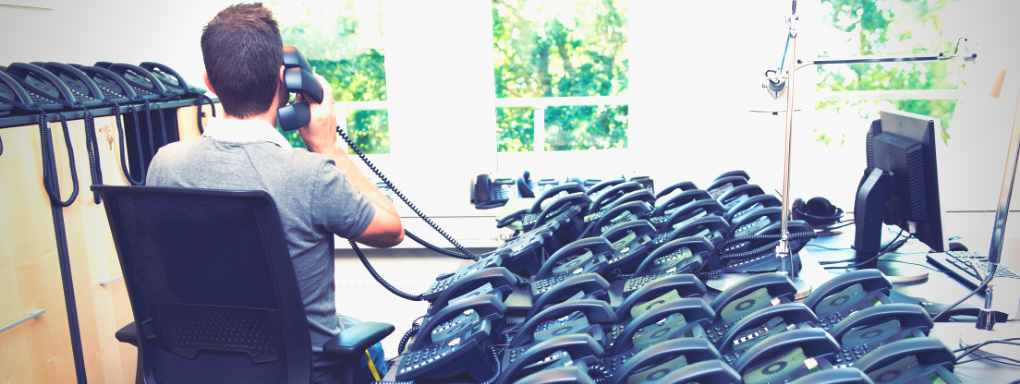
144 83
724 184
750 295
584 286
659 360
921 360
13 95
632 241
590 255
46 90
85 91
658 292
680 257
739 194
172 80
845 294
867 329
682 186
113 87
675 203
786 356
495 279
578 350
298 78
630 211
751 205
675 319
761 325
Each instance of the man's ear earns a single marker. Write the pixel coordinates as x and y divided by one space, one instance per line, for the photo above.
205 77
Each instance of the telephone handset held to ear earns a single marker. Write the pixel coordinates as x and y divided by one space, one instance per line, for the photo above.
298 78
661 359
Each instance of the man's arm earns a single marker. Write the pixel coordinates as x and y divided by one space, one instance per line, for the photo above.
385 230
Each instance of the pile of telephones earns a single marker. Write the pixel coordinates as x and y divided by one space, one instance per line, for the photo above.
606 284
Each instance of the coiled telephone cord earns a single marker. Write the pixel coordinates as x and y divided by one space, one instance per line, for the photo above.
123 152
436 248
92 146
46 159
385 284
755 252
599 373
397 192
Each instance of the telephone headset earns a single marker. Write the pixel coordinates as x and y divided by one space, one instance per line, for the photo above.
817 211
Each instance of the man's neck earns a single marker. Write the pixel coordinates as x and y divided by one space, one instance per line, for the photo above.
268 117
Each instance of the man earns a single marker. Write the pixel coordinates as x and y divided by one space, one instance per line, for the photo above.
319 192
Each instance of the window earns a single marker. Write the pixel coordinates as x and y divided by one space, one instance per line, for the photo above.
567 53
343 41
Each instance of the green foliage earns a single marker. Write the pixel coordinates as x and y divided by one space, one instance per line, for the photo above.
558 48
885 27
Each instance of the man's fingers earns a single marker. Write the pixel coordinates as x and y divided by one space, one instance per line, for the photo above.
327 90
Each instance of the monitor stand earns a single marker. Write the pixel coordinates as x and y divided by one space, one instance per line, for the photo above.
905 274
869 210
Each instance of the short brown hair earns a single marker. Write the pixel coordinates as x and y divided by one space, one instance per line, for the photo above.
243 52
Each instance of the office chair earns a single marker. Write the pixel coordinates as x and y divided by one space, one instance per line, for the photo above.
213 290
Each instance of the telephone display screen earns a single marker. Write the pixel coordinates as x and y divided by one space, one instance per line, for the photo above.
870 333
777 370
654 373
844 299
701 213
746 305
637 310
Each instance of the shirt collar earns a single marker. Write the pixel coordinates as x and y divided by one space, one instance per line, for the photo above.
244 131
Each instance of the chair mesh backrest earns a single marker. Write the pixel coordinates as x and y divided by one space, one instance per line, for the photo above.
198 265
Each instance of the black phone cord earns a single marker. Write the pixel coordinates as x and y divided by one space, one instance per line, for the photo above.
46 161
123 151
385 284
201 114
397 192
435 248
92 147
146 109
407 337
162 126
599 373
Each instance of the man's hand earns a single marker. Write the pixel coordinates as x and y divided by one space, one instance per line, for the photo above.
320 134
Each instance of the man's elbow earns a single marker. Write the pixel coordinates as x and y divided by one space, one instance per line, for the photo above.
392 237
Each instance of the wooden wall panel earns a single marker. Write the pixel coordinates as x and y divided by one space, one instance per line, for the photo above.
39 350
187 123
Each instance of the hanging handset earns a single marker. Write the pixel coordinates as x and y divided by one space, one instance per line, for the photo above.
173 81
922 360
588 286
682 186
112 86
665 209
737 195
761 325
751 205
703 372
589 255
760 255
630 211
46 90
481 282
455 341
13 95
578 350
685 255
841 296
84 89
632 241
869 328
786 356
659 360
144 82
836 376
750 295
655 293
676 319
298 78
724 184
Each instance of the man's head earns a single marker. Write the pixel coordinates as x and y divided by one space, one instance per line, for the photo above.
243 55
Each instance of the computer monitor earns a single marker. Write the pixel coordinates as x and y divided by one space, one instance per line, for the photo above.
900 186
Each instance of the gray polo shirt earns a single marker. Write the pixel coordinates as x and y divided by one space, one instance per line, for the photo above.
314 198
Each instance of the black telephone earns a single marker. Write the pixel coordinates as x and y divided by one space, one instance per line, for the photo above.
112 86
674 319
841 296
786 356
750 295
737 195
724 184
588 255
690 212
836 376
498 281
677 202
736 172
748 224
605 199
170 79
447 280
570 193
566 211
682 256
588 286
921 360
84 89
632 241
682 186
655 362
298 78
492 192
630 211
145 84
757 256
455 341
655 293
559 375
762 325
703 372
869 328
585 316
13 95
46 90
750 205
713 228
596 190
646 182
578 350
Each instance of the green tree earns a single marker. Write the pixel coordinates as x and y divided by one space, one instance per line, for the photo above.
556 48
873 27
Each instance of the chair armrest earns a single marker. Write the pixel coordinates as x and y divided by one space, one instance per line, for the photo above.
352 342
128 334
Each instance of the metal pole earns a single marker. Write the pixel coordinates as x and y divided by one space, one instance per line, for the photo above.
986 320
783 250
